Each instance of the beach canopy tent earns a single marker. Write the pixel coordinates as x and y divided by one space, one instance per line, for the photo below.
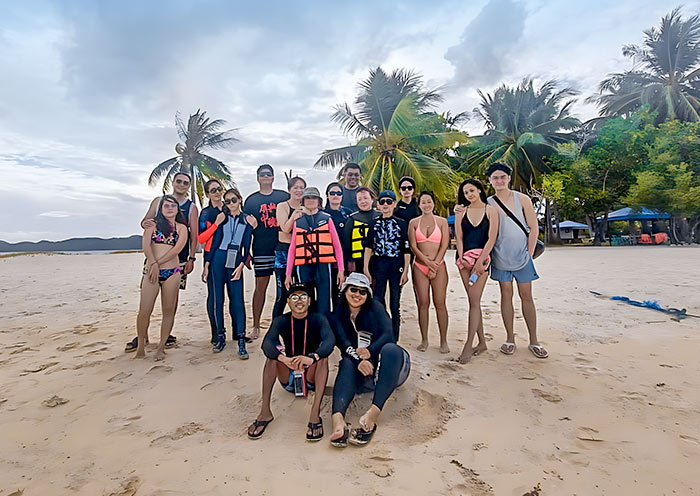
629 213
570 224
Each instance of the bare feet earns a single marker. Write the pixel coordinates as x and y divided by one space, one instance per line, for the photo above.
444 348
466 355
480 348
422 346
255 333
338 426
140 353
160 355
369 419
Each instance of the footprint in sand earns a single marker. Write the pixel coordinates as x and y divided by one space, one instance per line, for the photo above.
551 397
68 347
186 430
54 401
160 369
119 377
128 487
427 414
41 367
473 484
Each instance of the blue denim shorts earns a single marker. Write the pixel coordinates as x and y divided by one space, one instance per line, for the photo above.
526 274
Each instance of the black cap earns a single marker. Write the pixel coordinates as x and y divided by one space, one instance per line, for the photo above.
297 287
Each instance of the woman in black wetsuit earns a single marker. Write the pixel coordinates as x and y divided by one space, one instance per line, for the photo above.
476 230
339 214
161 273
371 360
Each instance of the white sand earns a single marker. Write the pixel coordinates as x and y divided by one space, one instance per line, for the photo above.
615 409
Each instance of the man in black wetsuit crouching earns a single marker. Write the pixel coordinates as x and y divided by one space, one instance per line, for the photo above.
307 340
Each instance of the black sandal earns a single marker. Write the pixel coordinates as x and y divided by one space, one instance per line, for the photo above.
360 437
132 345
313 427
342 442
258 423
171 341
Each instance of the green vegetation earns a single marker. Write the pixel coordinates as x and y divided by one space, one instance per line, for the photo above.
397 134
199 134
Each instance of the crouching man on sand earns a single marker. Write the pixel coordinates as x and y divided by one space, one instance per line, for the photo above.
307 340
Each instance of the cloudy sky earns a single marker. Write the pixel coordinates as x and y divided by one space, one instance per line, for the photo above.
89 90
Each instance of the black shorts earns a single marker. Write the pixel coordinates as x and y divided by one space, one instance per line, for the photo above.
264 265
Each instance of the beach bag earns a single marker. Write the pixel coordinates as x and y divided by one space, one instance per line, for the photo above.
539 247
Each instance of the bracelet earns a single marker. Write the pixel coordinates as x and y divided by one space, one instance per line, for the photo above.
191 258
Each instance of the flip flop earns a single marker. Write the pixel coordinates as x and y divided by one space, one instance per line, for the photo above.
258 423
170 341
507 348
132 345
360 437
538 350
313 427
342 442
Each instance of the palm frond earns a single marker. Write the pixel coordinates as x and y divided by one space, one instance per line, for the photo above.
162 169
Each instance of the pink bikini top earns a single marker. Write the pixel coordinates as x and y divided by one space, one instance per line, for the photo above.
435 236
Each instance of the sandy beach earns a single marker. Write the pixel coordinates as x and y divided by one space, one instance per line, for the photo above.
615 409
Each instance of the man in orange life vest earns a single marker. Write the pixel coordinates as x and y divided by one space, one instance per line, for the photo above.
314 247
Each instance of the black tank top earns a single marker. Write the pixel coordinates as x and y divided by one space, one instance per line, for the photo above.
474 236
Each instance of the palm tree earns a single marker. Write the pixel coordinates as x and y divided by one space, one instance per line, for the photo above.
396 134
524 126
199 134
667 78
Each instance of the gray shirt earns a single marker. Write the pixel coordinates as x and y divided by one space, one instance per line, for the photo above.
510 251
350 199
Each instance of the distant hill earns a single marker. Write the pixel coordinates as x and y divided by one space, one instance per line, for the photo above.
75 244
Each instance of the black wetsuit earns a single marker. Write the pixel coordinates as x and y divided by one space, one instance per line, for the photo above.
319 336
388 240
407 211
339 217
391 363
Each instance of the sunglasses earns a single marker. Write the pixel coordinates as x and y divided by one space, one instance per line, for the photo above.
171 205
386 201
335 193
360 291
352 174
265 174
182 181
406 188
230 201
216 189
298 297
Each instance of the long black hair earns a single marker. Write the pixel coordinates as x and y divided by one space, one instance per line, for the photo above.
462 198
162 224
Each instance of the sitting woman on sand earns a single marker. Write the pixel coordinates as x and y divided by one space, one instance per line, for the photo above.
429 269
161 274
371 360
476 230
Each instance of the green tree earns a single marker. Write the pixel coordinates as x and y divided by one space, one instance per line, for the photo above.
199 134
524 126
397 134
671 180
667 78
598 179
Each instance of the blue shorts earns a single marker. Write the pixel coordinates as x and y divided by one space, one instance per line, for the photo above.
526 274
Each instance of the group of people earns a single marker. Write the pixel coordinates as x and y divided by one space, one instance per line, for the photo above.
333 266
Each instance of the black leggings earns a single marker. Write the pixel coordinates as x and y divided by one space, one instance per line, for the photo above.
391 371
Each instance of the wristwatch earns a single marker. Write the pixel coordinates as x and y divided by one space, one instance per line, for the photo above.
191 258
313 356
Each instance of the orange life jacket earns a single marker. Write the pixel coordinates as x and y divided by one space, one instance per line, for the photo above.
314 245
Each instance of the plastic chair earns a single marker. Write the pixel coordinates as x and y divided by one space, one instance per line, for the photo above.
645 239
660 238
